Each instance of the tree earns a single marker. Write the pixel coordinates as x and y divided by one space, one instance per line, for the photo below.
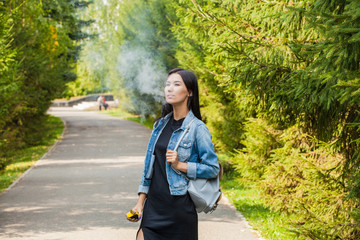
39 40
288 65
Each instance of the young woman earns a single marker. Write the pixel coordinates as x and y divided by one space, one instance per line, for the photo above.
168 212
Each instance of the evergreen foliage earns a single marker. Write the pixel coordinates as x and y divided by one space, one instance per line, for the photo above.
37 39
291 69
8 76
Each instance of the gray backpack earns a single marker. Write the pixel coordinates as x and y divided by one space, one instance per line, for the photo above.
205 193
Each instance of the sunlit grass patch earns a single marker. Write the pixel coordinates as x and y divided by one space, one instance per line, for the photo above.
247 200
22 159
118 112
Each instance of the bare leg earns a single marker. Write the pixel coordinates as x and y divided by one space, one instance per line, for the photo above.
140 235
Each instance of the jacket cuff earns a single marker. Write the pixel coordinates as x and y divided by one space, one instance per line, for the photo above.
191 170
143 189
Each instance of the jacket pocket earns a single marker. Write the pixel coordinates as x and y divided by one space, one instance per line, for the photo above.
150 170
184 150
179 181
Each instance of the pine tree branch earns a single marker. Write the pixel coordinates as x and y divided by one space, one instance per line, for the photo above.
241 20
241 52
217 21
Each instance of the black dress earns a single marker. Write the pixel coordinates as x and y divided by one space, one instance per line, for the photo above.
166 216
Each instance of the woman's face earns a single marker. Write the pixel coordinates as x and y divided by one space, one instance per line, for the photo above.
176 92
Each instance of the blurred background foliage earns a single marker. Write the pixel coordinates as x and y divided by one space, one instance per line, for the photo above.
39 44
279 83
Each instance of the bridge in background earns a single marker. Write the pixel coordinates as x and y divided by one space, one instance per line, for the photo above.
85 102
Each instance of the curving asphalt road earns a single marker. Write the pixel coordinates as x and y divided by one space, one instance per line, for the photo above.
85 185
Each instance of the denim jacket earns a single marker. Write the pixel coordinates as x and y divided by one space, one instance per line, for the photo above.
195 148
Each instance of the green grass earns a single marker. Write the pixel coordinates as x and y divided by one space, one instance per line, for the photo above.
23 159
247 200
118 112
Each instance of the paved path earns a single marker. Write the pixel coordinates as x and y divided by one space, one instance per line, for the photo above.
84 186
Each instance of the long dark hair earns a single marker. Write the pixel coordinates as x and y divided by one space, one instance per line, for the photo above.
191 84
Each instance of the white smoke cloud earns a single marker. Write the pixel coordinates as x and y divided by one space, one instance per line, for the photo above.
96 60
141 71
139 66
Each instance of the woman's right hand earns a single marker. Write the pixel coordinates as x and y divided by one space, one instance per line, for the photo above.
139 209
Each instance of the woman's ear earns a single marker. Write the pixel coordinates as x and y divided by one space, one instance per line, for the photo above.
190 94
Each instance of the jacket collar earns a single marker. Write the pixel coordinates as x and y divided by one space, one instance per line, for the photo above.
189 117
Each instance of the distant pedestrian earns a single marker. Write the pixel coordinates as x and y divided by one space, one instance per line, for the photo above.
105 104
164 205
100 101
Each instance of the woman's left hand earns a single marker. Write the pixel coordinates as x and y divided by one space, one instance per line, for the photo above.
172 158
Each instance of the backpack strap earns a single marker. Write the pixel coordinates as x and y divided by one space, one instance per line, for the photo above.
182 136
178 143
